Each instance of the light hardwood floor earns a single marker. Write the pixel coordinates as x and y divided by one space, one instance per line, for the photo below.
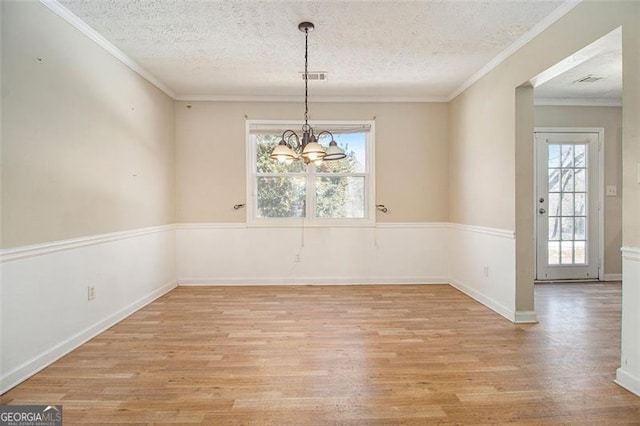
384 354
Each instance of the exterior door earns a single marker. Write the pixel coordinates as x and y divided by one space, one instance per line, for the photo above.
567 206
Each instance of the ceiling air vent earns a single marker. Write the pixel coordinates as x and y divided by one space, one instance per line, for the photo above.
316 75
588 79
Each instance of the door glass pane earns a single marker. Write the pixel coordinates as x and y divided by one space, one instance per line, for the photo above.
554 229
567 180
554 155
567 155
580 155
581 207
580 180
567 228
567 204
554 252
580 231
580 252
554 180
554 204
566 252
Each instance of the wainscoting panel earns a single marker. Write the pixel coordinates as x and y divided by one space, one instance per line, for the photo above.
45 311
482 265
236 254
628 375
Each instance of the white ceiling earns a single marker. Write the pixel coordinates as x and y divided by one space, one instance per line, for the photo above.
422 50
601 60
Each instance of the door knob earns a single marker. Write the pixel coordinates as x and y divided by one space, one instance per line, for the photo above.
542 211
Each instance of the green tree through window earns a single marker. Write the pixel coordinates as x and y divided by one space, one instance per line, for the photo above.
331 190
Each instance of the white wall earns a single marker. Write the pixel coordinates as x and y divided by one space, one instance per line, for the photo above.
237 254
45 311
628 375
482 265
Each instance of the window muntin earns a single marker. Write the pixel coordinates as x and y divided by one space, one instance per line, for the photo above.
334 192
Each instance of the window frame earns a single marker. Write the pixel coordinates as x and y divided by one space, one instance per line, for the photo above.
311 175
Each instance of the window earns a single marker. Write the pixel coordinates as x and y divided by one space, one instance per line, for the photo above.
332 193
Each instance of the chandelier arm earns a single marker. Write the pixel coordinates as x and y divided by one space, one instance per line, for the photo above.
323 132
289 136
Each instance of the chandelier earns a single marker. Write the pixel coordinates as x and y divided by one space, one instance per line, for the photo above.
306 147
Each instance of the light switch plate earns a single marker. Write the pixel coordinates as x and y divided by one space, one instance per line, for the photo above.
612 191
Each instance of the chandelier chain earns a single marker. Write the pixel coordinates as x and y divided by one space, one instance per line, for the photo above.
306 76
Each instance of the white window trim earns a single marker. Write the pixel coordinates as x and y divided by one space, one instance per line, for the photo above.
370 202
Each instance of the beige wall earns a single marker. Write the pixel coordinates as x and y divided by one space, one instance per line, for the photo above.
609 118
87 144
483 131
481 121
411 156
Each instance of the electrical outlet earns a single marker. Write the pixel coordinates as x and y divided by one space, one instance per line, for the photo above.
485 271
91 292
612 191
297 258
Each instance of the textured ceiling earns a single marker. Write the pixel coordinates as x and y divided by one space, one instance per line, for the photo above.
601 60
244 48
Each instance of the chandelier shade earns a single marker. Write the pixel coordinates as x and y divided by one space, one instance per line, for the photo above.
306 147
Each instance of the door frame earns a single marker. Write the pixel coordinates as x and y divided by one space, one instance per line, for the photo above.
600 132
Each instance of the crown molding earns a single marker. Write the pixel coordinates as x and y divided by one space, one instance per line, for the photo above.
577 102
89 32
93 35
562 10
316 99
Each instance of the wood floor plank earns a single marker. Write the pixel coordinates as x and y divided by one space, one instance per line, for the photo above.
347 355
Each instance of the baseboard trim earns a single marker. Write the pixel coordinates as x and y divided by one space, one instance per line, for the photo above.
526 317
188 282
612 277
48 357
627 381
487 301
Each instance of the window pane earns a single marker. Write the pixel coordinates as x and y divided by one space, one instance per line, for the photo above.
354 145
340 197
281 196
265 164
580 252
567 155
580 180
554 253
